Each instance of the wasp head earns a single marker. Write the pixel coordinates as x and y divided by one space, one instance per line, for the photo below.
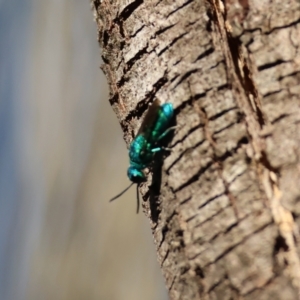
135 174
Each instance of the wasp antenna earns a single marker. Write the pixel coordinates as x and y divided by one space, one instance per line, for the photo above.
119 195
138 199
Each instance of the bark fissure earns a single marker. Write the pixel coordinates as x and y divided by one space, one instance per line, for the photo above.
229 249
138 31
128 11
212 216
221 113
171 43
186 151
135 58
204 54
292 24
144 103
271 65
270 281
210 200
179 8
164 29
194 178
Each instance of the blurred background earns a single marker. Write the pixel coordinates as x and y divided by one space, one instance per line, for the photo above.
62 157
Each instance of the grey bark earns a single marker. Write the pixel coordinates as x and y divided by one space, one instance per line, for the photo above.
224 208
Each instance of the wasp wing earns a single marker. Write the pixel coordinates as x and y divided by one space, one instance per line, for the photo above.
150 117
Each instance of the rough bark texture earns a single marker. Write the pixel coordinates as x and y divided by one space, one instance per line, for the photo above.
224 205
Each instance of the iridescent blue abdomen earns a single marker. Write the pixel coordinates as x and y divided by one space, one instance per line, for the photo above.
164 117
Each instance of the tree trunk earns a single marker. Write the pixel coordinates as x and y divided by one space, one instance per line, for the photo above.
224 207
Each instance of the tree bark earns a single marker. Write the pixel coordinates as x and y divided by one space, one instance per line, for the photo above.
224 205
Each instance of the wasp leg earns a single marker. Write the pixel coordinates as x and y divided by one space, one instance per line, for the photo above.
154 150
166 132
157 149
138 199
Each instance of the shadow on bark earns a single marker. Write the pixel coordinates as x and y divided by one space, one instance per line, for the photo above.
157 166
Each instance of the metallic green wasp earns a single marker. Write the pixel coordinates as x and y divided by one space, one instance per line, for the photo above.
155 126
